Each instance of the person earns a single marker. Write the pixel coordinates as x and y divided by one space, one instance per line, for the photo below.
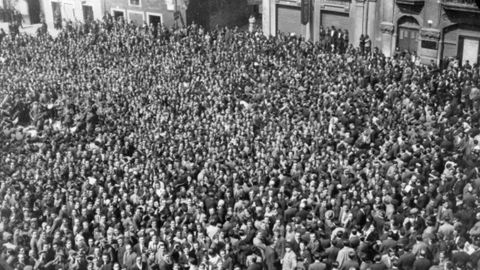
422 262
317 264
368 44
289 260
196 148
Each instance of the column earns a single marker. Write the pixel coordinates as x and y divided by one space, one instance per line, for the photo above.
358 17
308 30
266 17
371 21
273 17
316 20
387 27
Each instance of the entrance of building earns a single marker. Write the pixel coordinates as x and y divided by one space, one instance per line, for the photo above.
155 20
468 49
290 20
34 11
87 13
118 14
57 15
408 34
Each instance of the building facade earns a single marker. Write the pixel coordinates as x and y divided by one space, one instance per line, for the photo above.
212 13
57 11
432 29
29 9
164 12
208 13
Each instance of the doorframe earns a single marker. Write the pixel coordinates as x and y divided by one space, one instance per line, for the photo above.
124 11
460 45
411 29
148 14
83 14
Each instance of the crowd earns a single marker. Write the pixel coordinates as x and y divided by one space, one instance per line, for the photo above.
130 148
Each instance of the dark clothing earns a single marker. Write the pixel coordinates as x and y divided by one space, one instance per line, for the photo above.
421 264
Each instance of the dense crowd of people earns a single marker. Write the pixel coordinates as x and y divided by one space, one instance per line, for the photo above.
131 148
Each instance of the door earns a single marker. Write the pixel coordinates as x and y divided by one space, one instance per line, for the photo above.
337 19
408 39
468 49
155 20
288 20
118 14
57 14
34 11
87 13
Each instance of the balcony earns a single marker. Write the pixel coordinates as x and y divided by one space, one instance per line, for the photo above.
461 6
338 2
411 2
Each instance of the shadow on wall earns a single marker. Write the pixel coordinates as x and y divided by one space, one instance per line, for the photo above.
210 13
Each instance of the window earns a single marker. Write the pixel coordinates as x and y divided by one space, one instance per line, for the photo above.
134 3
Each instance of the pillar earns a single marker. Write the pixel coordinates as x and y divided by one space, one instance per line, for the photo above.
359 21
371 20
308 30
266 17
273 17
387 27
316 20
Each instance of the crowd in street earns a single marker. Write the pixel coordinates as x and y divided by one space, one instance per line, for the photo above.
125 147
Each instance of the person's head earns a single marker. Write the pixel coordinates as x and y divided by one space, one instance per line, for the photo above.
105 258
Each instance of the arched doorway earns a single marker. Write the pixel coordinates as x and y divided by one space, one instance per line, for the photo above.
408 34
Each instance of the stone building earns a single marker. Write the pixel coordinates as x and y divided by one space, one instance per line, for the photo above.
433 29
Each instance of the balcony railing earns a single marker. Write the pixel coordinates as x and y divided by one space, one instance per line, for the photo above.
340 2
411 2
461 5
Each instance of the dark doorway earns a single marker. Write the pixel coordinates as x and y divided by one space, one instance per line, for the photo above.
118 14
57 15
34 11
155 20
87 13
